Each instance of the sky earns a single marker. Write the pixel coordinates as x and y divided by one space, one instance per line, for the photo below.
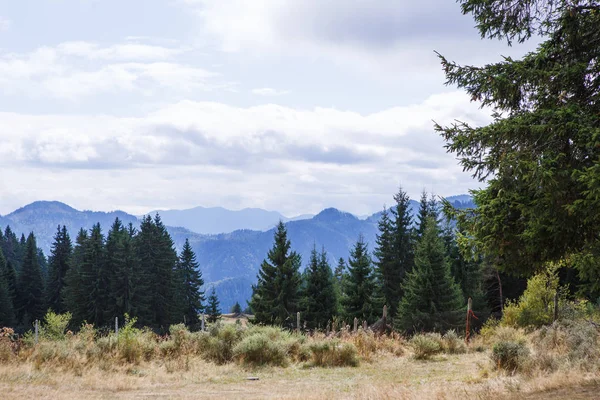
292 105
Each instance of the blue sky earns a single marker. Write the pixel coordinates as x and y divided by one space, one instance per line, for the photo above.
285 105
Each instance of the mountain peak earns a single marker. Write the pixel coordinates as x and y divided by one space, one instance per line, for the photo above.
47 206
331 213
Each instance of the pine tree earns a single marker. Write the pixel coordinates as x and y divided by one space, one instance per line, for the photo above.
7 312
403 249
11 282
422 215
213 310
432 300
123 265
190 277
95 279
74 293
11 248
275 296
58 265
236 309
158 260
359 285
386 282
30 289
319 298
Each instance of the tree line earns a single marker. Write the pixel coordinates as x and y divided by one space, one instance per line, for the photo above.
415 269
128 271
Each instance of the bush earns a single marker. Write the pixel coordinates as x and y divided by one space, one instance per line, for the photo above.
258 349
55 325
453 344
510 356
426 345
333 353
217 344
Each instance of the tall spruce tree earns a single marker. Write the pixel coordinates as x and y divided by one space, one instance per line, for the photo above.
403 249
432 301
58 264
213 309
191 282
359 286
387 284
11 282
319 297
30 289
422 215
123 267
275 296
7 311
539 156
95 278
74 293
158 259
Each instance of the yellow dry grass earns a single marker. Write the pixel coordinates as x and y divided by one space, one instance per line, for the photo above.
465 376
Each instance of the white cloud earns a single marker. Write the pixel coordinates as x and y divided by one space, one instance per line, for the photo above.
269 92
266 156
73 70
5 23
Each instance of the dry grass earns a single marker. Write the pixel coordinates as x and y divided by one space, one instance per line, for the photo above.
183 366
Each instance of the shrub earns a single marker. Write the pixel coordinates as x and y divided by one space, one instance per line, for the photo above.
333 353
510 356
426 345
453 344
55 325
217 344
258 349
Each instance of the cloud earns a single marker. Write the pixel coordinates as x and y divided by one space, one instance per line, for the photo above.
73 70
5 23
269 92
293 160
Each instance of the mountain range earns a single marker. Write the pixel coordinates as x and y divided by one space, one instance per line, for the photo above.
229 260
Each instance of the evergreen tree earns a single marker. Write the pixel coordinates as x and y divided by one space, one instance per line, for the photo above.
359 285
11 282
539 155
7 312
403 249
213 310
60 255
30 289
275 296
236 309
190 293
74 293
319 298
12 248
158 259
95 278
432 300
423 214
123 270
385 272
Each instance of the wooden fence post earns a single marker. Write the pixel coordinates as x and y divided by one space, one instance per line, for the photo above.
364 325
355 324
37 330
384 320
298 322
468 327
202 322
117 326
556 305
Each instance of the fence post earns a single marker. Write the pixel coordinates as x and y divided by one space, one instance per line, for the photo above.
298 322
468 327
384 326
202 322
117 326
364 325
37 330
355 324
556 305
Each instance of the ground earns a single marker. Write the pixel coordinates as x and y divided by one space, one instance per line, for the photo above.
467 376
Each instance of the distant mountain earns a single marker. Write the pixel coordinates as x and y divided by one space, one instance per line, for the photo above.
216 220
229 261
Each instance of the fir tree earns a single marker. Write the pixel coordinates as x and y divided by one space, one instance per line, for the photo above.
422 215
319 299
213 310
402 247
60 255
7 312
386 273
275 296
236 309
432 300
11 282
95 278
190 293
359 285
74 293
30 292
